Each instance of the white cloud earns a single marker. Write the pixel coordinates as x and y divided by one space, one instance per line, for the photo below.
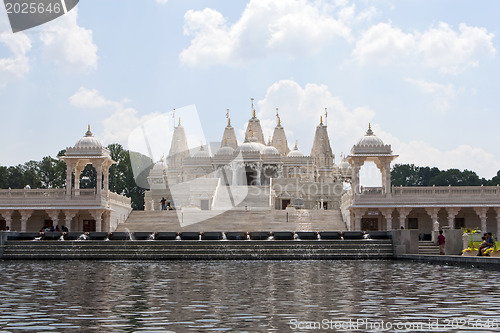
18 64
442 95
90 99
265 27
439 47
68 44
126 126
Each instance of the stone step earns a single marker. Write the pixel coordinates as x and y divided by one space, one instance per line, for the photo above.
252 220
198 249
428 248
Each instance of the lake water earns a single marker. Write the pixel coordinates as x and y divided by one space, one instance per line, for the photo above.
246 296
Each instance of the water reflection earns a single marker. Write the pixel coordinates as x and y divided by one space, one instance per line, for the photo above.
237 295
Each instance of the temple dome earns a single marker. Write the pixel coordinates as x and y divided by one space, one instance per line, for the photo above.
251 145
202 153
88 141
345 169
295 152
270 150
225 151
370 140
160 165
371 144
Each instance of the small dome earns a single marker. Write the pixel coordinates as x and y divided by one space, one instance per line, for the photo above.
251 145
202 153
345 168
88 141
225 151
160 165
270 150
295 152
370 140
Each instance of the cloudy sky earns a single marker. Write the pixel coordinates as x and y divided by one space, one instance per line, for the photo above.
425 74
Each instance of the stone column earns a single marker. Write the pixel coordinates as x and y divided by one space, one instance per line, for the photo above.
358 214
497 211
387 212
69 172
257 181
481 212
25 215
78 172
105 173
54 216
403 213
97 215
99 180
387 178
7 216
106 217
452 212
355 179
68 216
433 212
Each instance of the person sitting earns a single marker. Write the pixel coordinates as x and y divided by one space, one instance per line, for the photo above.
484 245
490 240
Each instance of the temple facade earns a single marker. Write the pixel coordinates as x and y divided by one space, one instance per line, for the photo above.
254 175
274 176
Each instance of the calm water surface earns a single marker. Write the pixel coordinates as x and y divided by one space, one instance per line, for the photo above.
251 296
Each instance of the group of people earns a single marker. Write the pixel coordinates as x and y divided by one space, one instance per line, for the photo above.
54 229
6 228
488 243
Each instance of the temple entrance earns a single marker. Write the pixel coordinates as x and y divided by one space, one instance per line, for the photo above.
369 224
285 203
251 176
325 205
3 225
459 222
88 225
412 223
205 204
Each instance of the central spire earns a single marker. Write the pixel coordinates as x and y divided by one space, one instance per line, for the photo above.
254 127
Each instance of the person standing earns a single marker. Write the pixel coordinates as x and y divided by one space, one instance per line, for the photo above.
163 203
440 242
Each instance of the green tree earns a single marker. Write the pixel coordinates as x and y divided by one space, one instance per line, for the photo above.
52 172
4 177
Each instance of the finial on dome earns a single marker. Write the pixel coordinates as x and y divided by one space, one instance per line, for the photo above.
279 121
252 99
296 145
369 132
89 133
321 120
228 118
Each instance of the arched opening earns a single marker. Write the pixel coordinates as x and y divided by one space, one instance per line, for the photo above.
370 178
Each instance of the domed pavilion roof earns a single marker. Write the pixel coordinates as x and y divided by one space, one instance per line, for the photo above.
370 144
